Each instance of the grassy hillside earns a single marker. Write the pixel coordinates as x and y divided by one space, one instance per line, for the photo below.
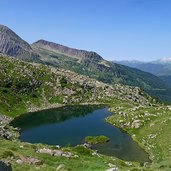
28 87
100 69
83 62
149 126
163 94
166 79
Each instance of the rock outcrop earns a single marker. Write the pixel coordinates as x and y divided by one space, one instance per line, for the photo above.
11 44
74 53
6 131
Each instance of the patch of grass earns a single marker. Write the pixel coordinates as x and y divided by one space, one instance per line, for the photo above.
80 150
153 134
96 139
7 154
85 161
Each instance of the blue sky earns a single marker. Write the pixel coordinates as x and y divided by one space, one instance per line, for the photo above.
116 29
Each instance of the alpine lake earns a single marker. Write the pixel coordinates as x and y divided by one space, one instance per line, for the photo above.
69 125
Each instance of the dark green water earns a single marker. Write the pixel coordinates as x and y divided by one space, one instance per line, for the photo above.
5 167
69 125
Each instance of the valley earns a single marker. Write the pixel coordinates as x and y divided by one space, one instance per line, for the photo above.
162 69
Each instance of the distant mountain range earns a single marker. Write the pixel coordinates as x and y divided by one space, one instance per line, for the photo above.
84 62
160 68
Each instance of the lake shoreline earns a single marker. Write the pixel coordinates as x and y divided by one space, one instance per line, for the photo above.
55 105
29 128
132 136
108 105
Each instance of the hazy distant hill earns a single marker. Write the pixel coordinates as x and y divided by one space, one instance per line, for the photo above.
160 68
131 63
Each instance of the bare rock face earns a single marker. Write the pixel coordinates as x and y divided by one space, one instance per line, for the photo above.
7 132
75 53
12 45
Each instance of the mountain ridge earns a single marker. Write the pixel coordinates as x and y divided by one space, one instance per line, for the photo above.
13 45
83 62
72 52
160 67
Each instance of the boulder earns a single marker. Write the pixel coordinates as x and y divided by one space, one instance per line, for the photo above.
45 150
58 153
60 167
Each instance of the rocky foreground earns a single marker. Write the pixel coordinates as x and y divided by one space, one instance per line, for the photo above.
6 131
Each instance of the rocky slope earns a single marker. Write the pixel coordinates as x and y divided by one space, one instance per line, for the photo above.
26 87
83 62
73 53
11 44
162 69
149 126
93 65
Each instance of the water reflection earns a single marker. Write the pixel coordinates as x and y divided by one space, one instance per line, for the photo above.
71 124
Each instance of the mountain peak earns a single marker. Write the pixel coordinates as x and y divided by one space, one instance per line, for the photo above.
3 27
72 52
11 43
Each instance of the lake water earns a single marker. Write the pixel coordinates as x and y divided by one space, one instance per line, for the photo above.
5 167
70 125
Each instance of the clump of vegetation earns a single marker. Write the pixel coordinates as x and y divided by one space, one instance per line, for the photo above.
7 154
96 139
82 150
